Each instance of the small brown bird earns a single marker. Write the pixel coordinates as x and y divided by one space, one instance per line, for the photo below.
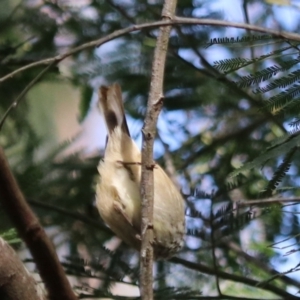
118 192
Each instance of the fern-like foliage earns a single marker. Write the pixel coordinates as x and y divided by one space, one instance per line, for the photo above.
231 184
280 173
224 221
233 64
283 99
228 219
109 267
295 123
258 77
115 272
200 194
282 82
238 40
268 73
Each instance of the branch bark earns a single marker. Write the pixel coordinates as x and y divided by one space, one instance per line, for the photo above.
155 102
175 21
118 33
267 201
15 281
33 234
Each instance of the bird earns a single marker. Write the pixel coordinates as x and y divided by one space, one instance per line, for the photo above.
118 195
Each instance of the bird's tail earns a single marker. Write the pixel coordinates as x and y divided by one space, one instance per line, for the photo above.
111 105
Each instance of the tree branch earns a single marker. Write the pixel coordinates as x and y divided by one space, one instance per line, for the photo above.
33 234
235 278
155 102
15 281
176 21
269 201
212 22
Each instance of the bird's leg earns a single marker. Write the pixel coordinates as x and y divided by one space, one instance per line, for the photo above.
128 163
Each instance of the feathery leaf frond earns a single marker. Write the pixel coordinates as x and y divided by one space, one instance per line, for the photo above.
278 102
258 77
279 173
243 39
233 64
282 82
230 63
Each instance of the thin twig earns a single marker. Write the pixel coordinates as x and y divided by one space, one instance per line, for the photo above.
212 22
232 277
213 247
263 202
175 21
155 102
279 275
284 240
259 263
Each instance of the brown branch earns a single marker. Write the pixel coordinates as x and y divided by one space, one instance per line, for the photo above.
175 21
263 202
235 278
15 281
211 22
33 234
155 102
